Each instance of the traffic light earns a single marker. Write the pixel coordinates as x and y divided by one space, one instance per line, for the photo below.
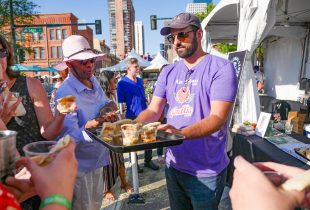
98 27
153 19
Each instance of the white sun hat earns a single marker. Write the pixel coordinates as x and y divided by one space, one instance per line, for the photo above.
76 47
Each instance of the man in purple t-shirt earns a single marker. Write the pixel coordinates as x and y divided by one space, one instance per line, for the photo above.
200 90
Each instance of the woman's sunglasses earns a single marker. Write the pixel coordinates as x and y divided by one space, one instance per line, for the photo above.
181 36
3 53
84 62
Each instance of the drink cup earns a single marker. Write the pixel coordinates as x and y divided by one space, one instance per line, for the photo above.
130 134
148 135
7 153
288 128
38 148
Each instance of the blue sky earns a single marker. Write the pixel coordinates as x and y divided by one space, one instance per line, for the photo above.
90 10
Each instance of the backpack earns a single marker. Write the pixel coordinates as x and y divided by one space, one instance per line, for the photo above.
283 108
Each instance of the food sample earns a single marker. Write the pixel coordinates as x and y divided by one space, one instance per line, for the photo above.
298 183
149 131
130 134
305 152
107 131
20 110
43 160
66 104
118 125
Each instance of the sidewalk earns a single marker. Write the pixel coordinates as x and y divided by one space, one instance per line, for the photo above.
152 186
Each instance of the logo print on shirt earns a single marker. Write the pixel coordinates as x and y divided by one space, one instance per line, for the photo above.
185 110
183 95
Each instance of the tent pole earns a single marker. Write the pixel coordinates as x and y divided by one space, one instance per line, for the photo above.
305 55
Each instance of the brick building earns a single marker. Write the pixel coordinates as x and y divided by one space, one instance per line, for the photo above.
44 49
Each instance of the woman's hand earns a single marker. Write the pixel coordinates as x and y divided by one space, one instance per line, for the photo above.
7 108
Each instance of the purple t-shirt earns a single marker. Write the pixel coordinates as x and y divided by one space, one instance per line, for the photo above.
212 79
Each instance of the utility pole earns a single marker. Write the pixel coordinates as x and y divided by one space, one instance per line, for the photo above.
13 29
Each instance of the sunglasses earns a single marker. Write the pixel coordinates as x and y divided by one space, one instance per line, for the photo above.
3 53
84 62
181 36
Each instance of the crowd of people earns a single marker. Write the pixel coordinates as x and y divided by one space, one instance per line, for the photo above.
198 93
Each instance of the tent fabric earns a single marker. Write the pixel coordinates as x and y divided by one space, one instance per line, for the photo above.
257 17
261 20
284 84
221 23
157 63
121 66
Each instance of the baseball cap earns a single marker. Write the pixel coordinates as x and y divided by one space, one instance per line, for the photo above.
182 20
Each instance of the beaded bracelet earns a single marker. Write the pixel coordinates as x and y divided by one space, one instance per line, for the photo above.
56 199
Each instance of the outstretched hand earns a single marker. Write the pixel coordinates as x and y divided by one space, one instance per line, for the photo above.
169 128
56 178
251 186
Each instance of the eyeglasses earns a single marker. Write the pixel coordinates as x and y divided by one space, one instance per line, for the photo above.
3 53
187 79
181 36
84 62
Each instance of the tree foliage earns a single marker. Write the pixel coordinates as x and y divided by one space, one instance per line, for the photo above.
203 15
23 12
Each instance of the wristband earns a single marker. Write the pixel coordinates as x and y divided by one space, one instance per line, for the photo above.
56 199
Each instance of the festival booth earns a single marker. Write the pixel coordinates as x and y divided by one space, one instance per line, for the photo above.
156 63
121 66
281 27
151 72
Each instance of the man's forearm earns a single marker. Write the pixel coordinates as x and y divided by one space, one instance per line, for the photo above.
148 116
204 127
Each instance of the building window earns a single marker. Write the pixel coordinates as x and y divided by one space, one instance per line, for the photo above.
53 51
58 34
42 56
36 53
41 36
35 36
64 33
52 34
21 55
59 52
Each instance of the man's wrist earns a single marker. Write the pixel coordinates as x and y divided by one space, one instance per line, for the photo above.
184 132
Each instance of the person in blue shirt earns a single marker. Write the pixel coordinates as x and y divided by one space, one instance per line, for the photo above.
90 99
130 90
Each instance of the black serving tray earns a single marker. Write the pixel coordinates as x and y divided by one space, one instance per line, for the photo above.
163 139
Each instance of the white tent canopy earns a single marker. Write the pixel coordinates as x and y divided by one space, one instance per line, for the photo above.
121 66
259 21
157 63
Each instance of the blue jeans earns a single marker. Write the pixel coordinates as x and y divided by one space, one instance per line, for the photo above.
190 192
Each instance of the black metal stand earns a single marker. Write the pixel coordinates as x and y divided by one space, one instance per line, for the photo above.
135 198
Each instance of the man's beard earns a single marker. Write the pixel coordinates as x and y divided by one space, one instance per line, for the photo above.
188 51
